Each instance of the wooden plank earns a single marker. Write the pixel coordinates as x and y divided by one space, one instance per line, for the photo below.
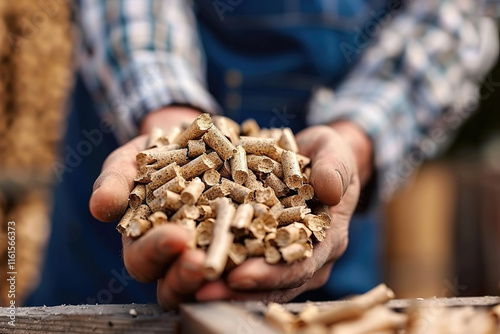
104 319
222 318
219 317
246 317
486 301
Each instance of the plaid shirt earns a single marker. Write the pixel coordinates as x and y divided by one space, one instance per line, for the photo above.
417 79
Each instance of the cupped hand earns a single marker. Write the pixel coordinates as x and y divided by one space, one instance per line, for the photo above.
334 176
161 254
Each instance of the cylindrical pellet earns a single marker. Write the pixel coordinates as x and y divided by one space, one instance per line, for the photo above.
176 185
221 239
196 148
186 211
171 133
125 221
168 201
192 192
287 141
259 163
211 177
258 228
237 192
258 146
216 160
228 127
287 235
197 167
214 192
162 176
252 182
255 247
243 217
292 233
158 218
137 227
237 253
239 168
272 255
225 170
156 138
204 232
279 187
137 196
293 252
306 191
219 143
139 223
294 200
206 211
144 174
250 128
161 157
196 130
277 169
294 214
291 170
266 196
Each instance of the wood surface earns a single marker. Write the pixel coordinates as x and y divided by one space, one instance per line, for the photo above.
219 317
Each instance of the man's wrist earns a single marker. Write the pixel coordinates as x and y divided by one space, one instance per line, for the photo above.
361 146
167 117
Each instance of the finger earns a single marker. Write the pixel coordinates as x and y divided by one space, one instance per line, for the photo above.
256 274
332 162
182 280
112 188
330 176
147 258
215 290
218 290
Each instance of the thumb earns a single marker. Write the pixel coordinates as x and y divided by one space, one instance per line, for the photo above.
112 188
332 162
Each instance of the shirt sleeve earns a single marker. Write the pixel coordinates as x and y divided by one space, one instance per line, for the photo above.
140 55
414 84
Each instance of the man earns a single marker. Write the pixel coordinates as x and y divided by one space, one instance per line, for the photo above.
402 73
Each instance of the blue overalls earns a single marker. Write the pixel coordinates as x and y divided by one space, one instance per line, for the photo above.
264 58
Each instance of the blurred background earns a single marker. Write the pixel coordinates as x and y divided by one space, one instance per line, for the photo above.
35 77
443 227
442 230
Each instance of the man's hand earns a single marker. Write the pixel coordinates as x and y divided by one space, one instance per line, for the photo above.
335 152
161 254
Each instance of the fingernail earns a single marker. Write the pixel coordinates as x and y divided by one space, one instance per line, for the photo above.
344 188
98 183
243 284
94 191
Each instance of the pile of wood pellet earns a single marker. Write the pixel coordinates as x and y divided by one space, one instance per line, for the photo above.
36 54
240 191
456 320
361 314
368 313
